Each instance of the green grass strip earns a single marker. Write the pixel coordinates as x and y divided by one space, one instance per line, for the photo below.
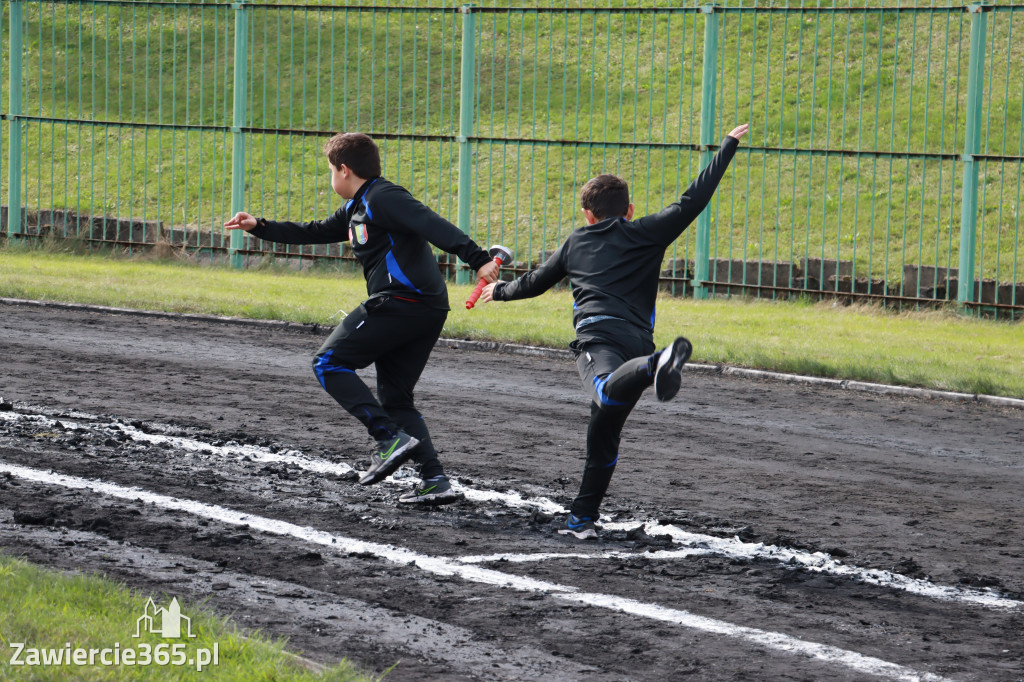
43 609
933 349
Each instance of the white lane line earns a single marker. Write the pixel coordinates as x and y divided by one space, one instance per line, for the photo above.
733 548
770 640
815 563
449 567
820 562
509 499
550 556
237 450
258 453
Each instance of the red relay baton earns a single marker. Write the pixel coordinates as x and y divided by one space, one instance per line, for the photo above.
501 255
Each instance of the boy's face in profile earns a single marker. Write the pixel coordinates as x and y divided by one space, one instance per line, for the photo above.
338 183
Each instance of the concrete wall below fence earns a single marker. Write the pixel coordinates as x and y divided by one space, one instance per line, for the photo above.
828 278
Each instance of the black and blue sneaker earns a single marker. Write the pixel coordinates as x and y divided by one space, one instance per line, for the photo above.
432 491
668 375
583 528
390 455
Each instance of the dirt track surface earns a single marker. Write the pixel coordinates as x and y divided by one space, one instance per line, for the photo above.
927 490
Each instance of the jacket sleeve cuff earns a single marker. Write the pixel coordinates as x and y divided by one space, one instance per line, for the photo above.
260 229
479 259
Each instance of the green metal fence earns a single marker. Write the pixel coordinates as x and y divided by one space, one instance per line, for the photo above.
884 159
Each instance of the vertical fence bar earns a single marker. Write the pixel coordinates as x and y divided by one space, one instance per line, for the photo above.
702 253
4 54
972 142
14 162
238 137
466 127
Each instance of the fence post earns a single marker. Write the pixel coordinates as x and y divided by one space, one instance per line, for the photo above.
466 128
238 121
14 161
702 252
972 146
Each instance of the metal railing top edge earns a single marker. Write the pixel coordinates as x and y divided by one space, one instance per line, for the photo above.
536 142
122 124
134 3
691 9
849 9
253 5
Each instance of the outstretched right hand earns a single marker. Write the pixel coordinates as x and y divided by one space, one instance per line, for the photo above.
739 131
487 295
241 221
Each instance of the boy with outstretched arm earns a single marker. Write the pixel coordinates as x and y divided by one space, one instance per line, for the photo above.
613 264
396 328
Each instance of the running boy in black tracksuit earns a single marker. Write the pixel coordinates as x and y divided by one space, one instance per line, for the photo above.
613 265
397 326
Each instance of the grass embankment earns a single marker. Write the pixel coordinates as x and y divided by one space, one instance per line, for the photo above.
43 609
881 82
935 349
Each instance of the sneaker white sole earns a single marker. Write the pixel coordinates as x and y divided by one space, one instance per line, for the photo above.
585 534
430 498
667 378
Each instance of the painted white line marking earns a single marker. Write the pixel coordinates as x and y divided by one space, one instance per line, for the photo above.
191 445
819 562
449 567
750 551
734 548
509 499
549 556
769 640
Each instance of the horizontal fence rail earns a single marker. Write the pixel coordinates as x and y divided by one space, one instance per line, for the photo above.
884 160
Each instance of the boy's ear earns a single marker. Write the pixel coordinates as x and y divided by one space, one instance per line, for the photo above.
591 218
349 173
629 212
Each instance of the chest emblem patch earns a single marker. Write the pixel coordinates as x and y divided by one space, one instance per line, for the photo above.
357 234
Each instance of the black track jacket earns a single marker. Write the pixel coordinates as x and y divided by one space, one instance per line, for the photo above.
614 265
389 231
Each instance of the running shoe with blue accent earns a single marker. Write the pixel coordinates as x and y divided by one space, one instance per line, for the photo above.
390 455
668 375
432 491
583 528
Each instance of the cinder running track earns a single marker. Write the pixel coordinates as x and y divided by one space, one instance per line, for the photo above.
792 532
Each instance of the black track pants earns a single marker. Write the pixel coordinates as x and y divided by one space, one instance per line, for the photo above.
616 363
397 337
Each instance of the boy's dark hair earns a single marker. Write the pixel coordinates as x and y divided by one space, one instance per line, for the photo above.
357 151
606 196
